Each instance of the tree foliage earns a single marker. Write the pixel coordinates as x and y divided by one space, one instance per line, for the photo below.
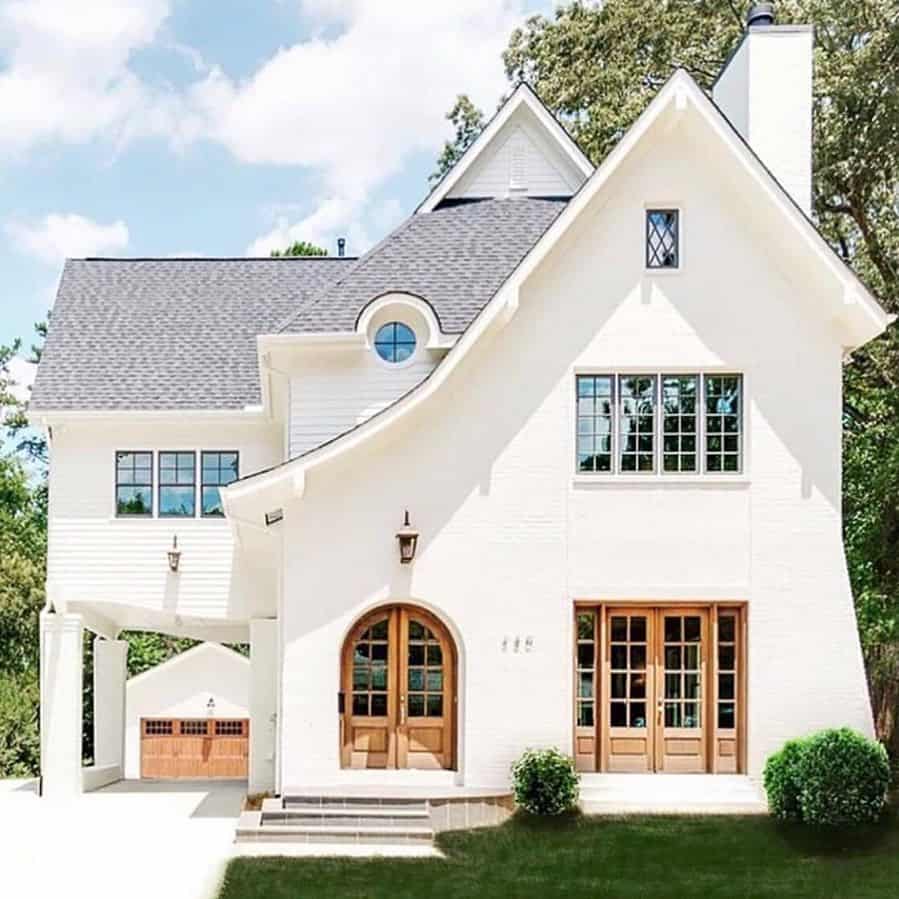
468 121
301 248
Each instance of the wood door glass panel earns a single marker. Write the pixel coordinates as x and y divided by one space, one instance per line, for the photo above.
424 673
585 691
680 742
682 653
630 674
727 688
370 671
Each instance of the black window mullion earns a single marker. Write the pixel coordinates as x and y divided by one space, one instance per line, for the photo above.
170 467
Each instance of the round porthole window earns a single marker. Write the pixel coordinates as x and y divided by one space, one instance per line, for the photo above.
395 342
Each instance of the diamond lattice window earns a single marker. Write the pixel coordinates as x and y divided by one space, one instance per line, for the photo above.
662 238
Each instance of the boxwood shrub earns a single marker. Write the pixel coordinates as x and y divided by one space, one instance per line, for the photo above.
835 778
781 777
545 782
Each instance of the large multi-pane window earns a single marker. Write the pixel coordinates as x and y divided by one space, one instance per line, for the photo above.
723 422
180 489
660 423
134 483
594 422
177 484
637 423
218 470
680 395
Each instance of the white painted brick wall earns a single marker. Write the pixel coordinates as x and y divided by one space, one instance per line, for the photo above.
510 538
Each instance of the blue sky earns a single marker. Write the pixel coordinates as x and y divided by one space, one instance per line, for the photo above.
175 127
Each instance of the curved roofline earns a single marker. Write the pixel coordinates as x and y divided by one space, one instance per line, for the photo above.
678 93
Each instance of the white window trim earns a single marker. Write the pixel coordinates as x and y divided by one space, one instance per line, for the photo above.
657 477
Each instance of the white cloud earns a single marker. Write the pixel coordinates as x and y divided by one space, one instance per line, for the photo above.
368 87
57 236
66 75
22 372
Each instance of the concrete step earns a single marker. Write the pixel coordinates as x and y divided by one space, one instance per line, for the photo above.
374 817
351 802
331 832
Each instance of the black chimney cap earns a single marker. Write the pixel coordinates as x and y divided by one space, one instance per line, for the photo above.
341 246
760 15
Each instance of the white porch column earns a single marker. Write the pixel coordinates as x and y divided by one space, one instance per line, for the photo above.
61 713
263 703
110 674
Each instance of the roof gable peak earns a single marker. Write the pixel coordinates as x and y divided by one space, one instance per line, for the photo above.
522 151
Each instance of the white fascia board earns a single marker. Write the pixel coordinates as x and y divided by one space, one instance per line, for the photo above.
678 93
43 417
339 340
522 95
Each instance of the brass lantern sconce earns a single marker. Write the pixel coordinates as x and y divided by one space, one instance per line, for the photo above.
408 540
174 555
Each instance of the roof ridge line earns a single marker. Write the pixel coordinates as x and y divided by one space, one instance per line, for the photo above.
212 258
360 264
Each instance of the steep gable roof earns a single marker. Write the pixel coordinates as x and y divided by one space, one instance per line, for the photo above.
454 257
856 311
523 112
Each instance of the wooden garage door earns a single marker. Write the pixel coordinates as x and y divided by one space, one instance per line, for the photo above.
194 747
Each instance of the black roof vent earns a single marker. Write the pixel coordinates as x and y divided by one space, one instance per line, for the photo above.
341 246
760 15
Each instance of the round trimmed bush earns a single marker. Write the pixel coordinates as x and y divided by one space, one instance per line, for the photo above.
545 782
844 779
781 777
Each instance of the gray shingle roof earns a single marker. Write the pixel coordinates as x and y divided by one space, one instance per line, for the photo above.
168 333
181 333
455 257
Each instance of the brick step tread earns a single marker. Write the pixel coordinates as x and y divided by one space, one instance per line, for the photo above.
383 831
350 802
337 813
375 818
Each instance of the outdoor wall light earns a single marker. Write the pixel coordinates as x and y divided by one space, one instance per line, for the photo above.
174 555
408 538
210 708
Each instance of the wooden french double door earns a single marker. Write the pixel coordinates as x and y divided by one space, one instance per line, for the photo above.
659 689
398 695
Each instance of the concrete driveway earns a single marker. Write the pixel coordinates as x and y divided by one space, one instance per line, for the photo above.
135 839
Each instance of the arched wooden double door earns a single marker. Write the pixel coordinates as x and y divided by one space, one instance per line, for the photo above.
398 700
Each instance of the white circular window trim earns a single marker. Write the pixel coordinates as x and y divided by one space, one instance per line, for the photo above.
392 363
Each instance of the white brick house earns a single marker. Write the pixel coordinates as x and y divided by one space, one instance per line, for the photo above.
609 399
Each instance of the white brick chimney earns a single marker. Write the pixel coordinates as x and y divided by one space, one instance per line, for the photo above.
765 89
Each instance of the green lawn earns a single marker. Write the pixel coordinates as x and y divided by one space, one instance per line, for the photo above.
594 857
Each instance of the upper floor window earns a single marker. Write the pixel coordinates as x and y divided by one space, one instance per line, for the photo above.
662 238
177 484
134 483
668 423
219 469
395 342
723 422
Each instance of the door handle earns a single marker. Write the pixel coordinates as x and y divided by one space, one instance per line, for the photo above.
402 709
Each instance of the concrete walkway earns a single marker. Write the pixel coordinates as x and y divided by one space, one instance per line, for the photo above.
134 839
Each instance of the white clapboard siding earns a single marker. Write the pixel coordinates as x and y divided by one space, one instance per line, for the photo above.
332 395
518 165
93 556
